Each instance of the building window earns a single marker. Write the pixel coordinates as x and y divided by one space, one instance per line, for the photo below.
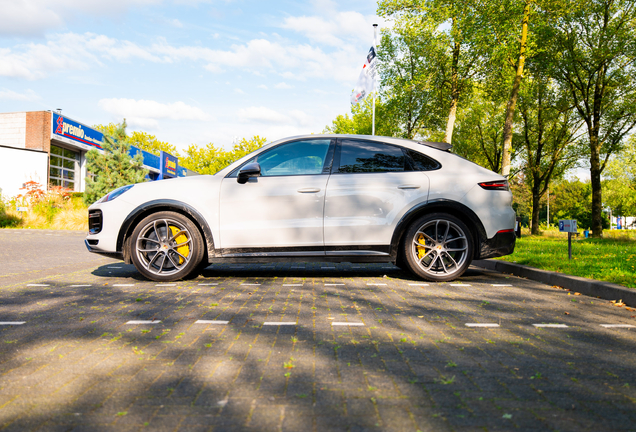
62 167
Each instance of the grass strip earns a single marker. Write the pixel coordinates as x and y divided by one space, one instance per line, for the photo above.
606 259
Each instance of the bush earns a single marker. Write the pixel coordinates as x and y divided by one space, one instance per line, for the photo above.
57 208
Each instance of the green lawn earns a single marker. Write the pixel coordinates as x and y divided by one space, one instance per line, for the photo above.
607 259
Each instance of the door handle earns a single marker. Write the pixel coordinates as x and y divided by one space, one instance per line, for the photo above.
409 186
309 190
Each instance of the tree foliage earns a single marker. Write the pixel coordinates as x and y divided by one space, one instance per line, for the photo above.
596 41
141 140
361 119
113 167
619 189
210 159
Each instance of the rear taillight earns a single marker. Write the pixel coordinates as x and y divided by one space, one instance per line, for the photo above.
495 185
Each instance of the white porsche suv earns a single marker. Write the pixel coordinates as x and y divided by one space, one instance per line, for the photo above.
338 198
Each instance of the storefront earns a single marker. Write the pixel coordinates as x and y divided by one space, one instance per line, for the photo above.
50 148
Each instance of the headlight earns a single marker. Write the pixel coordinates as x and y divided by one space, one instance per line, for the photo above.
114 194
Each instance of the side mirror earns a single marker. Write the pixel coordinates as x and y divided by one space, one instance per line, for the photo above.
250 170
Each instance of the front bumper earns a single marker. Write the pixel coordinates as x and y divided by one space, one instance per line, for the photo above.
93 249
503 243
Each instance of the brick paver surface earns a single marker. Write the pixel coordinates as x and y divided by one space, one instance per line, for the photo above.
310 347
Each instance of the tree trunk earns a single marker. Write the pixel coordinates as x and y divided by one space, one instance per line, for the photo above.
595 176
512 102
536 197
452 114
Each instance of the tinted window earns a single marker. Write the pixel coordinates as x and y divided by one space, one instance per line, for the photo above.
367 156
295 158
420 162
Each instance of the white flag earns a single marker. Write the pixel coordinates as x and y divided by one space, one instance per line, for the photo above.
367 79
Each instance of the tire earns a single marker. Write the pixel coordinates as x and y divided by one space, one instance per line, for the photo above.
438 247
165 257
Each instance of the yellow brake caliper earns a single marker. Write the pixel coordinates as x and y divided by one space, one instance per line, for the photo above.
421 251
183 250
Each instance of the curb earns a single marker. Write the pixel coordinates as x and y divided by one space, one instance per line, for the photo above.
589 287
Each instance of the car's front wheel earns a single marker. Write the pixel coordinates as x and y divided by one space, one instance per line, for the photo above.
166 246
438 247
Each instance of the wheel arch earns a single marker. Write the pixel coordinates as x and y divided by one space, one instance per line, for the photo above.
155 206
460 211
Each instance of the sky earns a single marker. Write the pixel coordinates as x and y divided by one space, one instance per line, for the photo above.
186 71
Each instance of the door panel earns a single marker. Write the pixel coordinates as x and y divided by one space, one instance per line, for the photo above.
269 212
364 208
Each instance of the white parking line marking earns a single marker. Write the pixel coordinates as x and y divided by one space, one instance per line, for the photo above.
327 268
501 285
617 325
333 284
12 322
123 285
77 286
208 284
271 323
166 285
292 284
481 325
144 322
347 324
211 322
459 285
115 267
38 285
250 284
376 284
551 325
418 284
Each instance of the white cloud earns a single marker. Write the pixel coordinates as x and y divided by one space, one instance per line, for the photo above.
262 115
145 113
267 115
28 95
334 29
262 86
283 85
239 91
35 17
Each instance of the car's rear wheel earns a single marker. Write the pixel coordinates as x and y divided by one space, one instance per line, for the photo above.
166 246
438 247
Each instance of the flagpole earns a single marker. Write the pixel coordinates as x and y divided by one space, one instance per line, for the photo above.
375 44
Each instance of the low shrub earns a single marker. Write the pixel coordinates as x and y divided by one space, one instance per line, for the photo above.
57 208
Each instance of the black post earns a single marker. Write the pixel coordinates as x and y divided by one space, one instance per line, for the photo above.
570 245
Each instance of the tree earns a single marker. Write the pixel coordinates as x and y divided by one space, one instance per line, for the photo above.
619 188
478 133
361 118
413 100
596 41
572 199
514 92
210 160
113 167
141 140
549 136
447 58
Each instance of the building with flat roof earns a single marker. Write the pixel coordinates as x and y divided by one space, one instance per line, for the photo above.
49 148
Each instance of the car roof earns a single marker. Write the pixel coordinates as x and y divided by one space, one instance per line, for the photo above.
398 141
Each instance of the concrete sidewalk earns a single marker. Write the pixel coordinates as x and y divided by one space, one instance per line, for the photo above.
589 287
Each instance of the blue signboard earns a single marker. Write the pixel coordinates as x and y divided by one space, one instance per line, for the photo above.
75 131
168 165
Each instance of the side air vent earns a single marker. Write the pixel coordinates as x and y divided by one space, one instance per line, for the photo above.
94 221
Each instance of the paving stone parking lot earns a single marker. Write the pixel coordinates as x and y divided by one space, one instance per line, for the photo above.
301 347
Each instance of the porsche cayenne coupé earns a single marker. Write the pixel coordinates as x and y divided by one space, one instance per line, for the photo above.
336 198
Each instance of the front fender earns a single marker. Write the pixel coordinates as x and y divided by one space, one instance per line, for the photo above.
164 205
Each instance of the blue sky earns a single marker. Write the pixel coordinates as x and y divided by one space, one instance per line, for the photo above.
187 71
